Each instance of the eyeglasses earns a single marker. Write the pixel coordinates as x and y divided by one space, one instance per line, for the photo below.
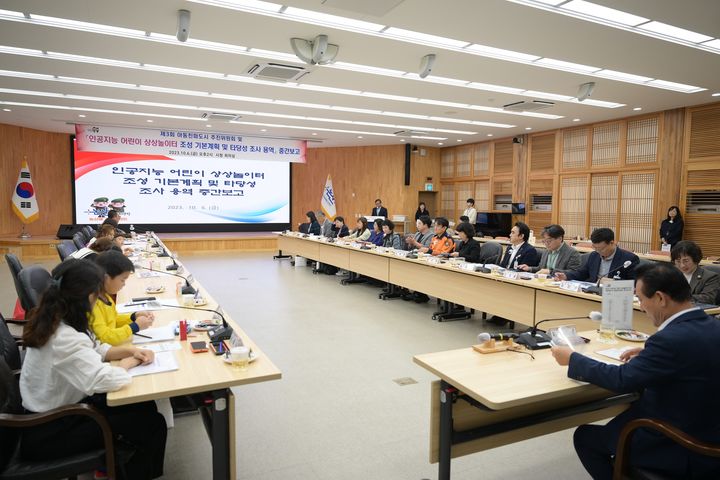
684 261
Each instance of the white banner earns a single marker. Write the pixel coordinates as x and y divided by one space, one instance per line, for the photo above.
183 143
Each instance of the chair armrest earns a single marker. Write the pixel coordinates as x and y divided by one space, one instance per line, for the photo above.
81 409
16 321
622 453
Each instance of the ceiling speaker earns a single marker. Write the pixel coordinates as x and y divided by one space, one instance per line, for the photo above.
585 90
183 28
315 52
426 65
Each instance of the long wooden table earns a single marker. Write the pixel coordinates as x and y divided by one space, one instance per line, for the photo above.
483 401
202 373
523 301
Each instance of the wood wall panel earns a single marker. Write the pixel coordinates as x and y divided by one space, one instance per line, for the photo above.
481 159
603 201
642 140
503 158
542 153
636 220
704 133
48 155
606 145
463 158
573 205
575 148
360 175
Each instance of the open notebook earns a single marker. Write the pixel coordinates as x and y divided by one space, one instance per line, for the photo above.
164 362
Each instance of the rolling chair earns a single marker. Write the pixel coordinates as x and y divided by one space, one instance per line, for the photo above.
79 240
12 421
9 349
65 248
490 252
624 471
34 280
15 268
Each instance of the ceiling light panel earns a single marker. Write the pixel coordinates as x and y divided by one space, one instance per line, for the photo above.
606 13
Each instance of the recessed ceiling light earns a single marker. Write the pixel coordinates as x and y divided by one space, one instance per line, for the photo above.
618 16
528 128
675 32
149 121
576 119
716 94
637 109
265 130
489 134
459 140
82 116
360 136
7 110
208 126
440 143
314 133
402 139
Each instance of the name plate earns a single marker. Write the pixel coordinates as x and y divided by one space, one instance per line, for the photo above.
356 245
434 260
511 275
470 267
570 286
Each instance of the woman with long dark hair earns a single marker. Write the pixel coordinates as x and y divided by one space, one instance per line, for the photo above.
362 232
421 210
64 364
313 224
671 229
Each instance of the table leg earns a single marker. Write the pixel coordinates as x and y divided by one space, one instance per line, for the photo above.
220 434
280 255
447 396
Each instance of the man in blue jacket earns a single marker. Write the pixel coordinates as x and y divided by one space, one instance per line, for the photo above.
676 374
608 260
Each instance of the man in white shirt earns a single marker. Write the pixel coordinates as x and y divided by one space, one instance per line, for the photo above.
470 211
676 374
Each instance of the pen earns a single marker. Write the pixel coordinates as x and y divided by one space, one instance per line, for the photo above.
143 336
136 304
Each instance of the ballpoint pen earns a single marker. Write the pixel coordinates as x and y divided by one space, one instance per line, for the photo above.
143 336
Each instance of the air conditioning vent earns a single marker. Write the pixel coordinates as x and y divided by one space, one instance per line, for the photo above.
410 133
524 106
276 72
219 116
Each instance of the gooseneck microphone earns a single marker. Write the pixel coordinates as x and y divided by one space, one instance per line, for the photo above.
216 334
535 339
596 316
484 336
186 290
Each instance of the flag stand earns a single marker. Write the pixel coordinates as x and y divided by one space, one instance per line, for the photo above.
24 234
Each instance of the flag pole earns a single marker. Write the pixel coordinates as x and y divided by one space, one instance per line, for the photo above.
24 234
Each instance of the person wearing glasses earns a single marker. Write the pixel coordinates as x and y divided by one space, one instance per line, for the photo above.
607 260
704 284
557 255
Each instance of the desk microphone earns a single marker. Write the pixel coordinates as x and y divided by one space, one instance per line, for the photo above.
535 339
223 332
186 290
484 337
596 288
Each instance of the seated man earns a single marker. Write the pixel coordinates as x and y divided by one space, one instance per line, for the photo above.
441 242
113 218
424 234
704 284
325 224
557 255
608 260
520 252
677 376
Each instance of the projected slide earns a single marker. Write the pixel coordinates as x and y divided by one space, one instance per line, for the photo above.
155 177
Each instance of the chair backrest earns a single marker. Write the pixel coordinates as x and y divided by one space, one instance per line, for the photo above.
584 258
8 347
15 268
490 252
304 227
79 240
89 231
64 250
10 402
34 280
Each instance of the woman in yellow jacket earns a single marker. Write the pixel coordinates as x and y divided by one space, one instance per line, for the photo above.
108 325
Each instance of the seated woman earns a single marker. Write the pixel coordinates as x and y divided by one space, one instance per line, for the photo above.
313 224
64 364
376 236
362 232
106 231
100 245
469 248
108 325
339 229
704 284
390 238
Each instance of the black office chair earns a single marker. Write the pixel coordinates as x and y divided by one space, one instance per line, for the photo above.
716 269
79 240
89 231
65 248
15 268
12 421
9 349
490 252
34 280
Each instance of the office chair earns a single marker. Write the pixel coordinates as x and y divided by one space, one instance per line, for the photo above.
624 471
79 240
15 268
9 349
65 249
34 280
12 421
89 231
491 252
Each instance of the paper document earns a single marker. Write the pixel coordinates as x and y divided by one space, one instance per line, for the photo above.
164 362
130 307
163 347
157 334
614 353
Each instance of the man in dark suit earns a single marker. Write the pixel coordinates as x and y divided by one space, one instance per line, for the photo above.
607 260
676 374
379 210
520 252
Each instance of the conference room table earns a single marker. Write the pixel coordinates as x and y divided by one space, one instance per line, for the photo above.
523 301
201 375
484 401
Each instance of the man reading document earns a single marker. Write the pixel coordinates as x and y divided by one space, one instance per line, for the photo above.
677 374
